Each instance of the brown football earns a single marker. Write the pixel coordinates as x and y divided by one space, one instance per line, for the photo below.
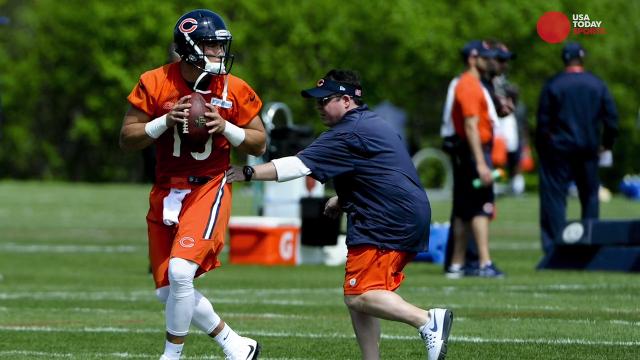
195 131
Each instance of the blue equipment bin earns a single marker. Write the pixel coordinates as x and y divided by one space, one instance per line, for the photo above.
438 234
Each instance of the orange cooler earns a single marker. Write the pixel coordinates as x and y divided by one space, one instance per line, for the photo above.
264 240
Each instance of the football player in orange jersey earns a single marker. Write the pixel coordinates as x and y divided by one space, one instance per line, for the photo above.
190 202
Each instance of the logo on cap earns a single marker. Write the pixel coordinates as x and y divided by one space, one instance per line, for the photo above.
342 88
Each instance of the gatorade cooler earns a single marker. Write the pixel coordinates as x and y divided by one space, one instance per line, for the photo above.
264 240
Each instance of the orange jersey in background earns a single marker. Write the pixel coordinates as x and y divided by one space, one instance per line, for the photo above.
470 101
156 93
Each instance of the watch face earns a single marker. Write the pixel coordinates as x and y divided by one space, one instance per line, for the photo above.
248 173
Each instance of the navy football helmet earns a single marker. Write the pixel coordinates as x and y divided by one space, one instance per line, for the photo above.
203 26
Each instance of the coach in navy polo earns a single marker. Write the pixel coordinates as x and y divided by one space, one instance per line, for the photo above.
388 213
374 177
574 106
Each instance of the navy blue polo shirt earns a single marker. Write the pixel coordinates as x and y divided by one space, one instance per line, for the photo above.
376 182
573 108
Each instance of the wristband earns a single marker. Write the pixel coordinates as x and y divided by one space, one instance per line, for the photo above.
234 134
248 172
156 127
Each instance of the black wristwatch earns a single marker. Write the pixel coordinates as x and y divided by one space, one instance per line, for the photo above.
248 172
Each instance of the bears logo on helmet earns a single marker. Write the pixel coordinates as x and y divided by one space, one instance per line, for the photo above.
192 28
199 27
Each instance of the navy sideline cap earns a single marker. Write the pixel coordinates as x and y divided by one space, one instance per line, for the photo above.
478 48
326 87
504 53
572 50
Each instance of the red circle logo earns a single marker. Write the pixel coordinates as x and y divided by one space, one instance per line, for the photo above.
553 27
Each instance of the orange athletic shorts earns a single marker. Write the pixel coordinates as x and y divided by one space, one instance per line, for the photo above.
199 236
371 268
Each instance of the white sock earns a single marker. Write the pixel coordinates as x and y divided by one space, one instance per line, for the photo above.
227 338
172 351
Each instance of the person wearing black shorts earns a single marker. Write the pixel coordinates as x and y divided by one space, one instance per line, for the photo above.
473 115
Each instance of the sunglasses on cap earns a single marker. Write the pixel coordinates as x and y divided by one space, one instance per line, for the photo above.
327 99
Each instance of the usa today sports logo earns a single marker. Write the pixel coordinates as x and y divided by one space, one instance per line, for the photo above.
582 24
554 26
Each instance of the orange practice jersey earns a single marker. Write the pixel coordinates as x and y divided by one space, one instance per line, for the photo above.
469 102
156 93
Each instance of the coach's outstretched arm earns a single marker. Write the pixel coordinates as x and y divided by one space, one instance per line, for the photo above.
282 169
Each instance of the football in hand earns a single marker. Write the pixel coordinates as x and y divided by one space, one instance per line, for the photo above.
195 130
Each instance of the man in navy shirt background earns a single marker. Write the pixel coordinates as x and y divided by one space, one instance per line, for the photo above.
574 106
388 213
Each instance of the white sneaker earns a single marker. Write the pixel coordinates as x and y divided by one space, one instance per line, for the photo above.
435 336
517 184
248 349
454 272
164 357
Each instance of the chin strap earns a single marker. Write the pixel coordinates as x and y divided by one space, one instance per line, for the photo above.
225 90
208 71
195 86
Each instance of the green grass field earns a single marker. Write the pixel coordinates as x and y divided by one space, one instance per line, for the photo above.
74 285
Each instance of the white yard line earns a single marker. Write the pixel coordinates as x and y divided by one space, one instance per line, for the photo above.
338 290
34 354
257 298
67 249
515 246
463 339
269 315
469 339
143 296
116 311
288 316
49 355
523 288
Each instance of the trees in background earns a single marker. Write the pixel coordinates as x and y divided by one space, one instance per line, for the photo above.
67 67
